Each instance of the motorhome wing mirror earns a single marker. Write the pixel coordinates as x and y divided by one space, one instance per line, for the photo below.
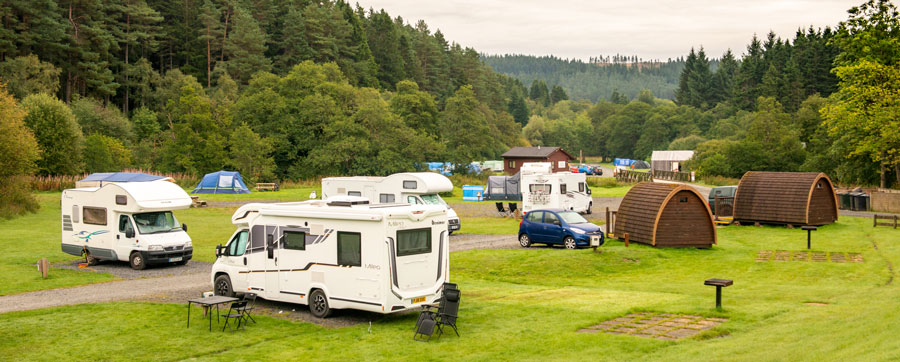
129 233
218 250
184 227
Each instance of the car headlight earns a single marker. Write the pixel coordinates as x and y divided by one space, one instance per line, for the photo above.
155 248
577 231
188 244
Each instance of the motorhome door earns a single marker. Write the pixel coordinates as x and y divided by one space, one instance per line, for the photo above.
271 261
126 239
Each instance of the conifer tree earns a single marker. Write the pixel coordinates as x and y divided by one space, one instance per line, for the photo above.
245 48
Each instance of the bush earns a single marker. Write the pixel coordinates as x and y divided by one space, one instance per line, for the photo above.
57 133
105 154
719 181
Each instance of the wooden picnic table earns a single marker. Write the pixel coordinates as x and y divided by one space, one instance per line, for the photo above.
209 302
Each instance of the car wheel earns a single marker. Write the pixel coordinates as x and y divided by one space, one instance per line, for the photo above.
137 261
91 260
524 240
318 304
569 242
223 286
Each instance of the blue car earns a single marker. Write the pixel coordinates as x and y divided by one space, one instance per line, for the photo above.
557 226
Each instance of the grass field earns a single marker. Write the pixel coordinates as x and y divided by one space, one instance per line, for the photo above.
528 303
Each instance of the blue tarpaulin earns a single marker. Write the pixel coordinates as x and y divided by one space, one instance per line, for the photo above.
623 162
473 193
222 182
100 178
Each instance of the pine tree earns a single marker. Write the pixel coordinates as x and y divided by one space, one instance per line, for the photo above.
210 33
246 47
295 48
384 40
539 92
558 94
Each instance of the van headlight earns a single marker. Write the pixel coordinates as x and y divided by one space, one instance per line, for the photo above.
577 231
188 244
155 248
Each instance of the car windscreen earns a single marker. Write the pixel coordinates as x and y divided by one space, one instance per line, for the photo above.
156 222
571 217
433 199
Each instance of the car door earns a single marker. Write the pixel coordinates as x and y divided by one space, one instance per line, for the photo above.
534 227
553 231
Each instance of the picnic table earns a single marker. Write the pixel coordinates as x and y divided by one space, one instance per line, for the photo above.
209 302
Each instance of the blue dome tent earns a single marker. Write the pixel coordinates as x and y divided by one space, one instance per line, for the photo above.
222 182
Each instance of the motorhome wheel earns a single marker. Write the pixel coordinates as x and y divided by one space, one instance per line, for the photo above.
569 242
524 240
318 304
223 286
137 261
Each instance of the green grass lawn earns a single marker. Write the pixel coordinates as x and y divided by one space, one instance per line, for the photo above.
527 304
617 191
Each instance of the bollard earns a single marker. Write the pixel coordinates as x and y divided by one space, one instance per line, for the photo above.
43 267
607 222
626 240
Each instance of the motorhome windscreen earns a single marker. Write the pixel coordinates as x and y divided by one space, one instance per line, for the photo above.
539 188
571 217
156 222
412 242
433 199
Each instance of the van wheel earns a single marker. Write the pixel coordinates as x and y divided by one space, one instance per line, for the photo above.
318 304
137 261
223 286
569 242
524 240
91 260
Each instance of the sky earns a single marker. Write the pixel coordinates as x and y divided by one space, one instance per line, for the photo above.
650 29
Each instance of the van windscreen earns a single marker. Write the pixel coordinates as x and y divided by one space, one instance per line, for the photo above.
156 222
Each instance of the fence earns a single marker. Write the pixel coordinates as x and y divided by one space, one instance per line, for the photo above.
673 175
633 176
892 220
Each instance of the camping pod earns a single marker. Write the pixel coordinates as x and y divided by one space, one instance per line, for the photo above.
665 216
793 198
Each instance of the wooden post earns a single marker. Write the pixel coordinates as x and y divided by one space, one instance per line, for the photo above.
626 240
895 221
607 222
44 267
875 220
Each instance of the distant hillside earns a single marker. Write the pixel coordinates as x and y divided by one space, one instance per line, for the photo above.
593 81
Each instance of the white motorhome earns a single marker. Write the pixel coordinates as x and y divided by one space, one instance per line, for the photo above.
337 254
543 189
129 221
416 188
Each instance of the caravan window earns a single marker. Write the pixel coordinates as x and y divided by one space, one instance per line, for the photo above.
354 193
581 187
293 240
349 248
238 244
386 198
409 185
412 242
539 188
94 215
562 189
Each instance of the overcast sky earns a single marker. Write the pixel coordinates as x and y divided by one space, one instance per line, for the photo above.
650 29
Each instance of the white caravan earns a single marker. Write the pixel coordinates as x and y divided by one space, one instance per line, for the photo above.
336 254
129 221
543 189
415 188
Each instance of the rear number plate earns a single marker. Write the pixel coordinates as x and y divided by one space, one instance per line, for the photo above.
172 260
418 300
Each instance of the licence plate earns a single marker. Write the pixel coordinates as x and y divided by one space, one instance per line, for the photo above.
418 300
595 240
172 260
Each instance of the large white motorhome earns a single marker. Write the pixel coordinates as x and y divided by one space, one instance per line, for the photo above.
544 189
129 221
409 187
337 254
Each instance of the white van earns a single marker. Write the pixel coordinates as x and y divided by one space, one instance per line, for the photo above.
337 254
129 221
415 188
543 189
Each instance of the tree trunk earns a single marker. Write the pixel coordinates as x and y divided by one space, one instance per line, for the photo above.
208 70
883 175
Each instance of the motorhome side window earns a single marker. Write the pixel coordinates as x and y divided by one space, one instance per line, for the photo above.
94 215
386 198
562 189
412 242
238 244
581 187
293 240
125 224
409 185
257 238
349 249
539 188
354 193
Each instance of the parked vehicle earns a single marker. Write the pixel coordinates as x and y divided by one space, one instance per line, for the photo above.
128 221
721 191
417 188
597 171
336 254
558 226
562 190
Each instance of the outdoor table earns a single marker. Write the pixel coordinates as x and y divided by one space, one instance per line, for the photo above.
215 300
718 283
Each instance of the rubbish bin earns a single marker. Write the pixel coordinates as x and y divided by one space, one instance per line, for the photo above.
845 201
859 201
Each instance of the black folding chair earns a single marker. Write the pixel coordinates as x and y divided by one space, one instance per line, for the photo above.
513 207
234 313
250 298
502 211
425 327
449 311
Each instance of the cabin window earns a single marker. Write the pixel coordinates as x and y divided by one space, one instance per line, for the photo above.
94 215
121 200
683 199
819 185
349 248
293 240
562 189
386 198
581 187
75 214
409 185
540 188
412 242
125 224
512 164
561 164
354 193
238 244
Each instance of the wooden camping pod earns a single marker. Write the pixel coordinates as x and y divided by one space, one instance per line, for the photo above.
667 216
796 198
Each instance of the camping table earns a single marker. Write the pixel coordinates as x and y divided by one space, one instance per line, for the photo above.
215 300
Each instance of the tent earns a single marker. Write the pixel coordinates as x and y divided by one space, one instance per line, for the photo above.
98 179
222 182
639 165
503 188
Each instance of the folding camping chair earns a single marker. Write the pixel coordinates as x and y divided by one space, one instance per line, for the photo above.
233 313
424 327
513 207
502 211
447 315
250 298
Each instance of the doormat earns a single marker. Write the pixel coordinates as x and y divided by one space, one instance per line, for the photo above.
664 326
814 256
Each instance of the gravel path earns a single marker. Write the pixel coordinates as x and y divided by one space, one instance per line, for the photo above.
124 271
